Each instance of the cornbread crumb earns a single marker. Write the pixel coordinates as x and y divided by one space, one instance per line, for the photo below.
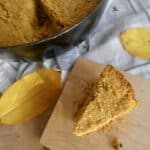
116 144
112 96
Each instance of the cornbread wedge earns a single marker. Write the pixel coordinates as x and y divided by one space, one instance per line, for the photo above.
68 12
111 97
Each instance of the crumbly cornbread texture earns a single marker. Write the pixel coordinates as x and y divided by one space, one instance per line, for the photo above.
17 22
68 12
20 23
111 97
25 21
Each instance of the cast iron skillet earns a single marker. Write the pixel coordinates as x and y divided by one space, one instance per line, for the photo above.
69 37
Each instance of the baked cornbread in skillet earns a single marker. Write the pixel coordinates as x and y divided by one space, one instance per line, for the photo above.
27 21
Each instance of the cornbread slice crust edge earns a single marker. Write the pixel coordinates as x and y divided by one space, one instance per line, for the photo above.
127 107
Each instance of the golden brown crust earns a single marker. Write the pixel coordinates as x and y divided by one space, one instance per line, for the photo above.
110 68
112 97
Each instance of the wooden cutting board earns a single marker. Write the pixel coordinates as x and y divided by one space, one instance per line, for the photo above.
133 131
25 136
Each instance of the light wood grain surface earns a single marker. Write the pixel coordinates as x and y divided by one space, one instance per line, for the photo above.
25 136
133 131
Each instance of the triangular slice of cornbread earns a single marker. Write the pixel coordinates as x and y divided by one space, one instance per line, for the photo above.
111 97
